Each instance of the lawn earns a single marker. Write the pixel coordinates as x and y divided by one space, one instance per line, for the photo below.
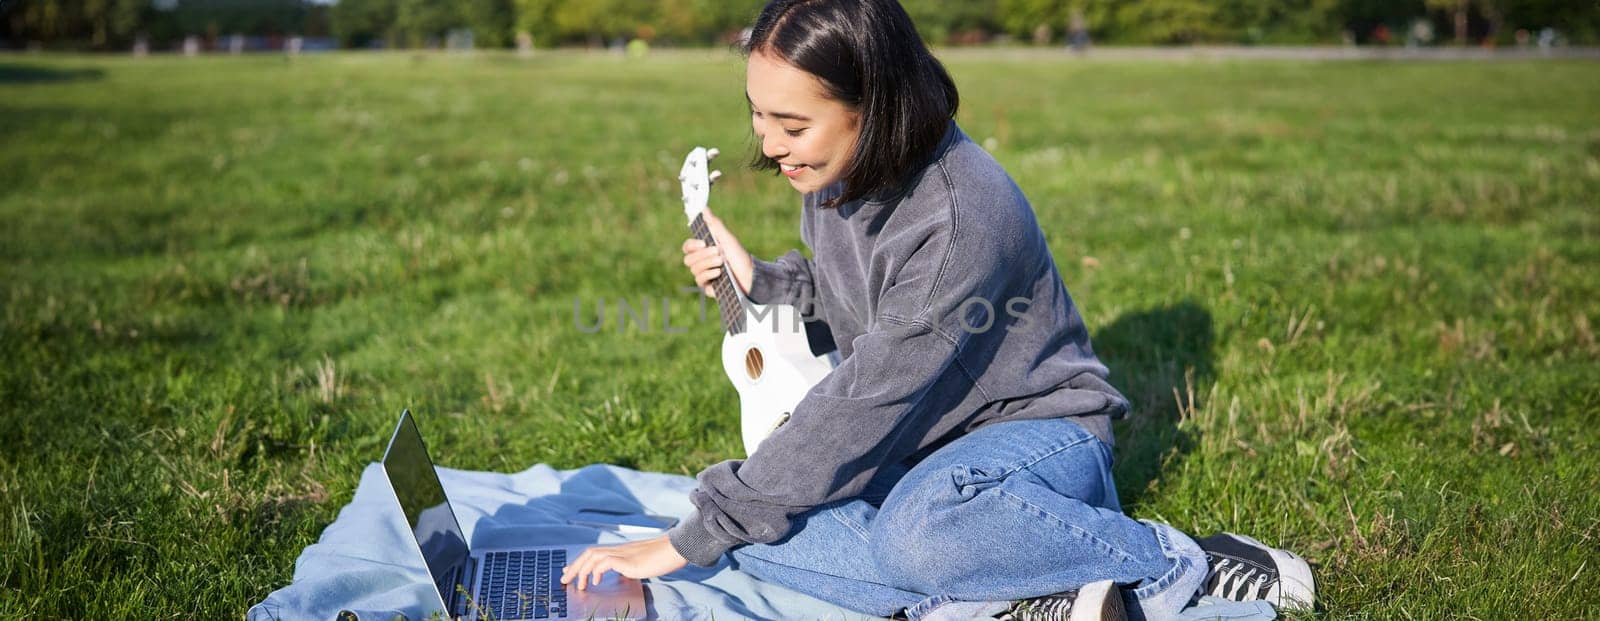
1355 304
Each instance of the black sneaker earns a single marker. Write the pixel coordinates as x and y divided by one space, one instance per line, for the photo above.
1243 570
1096 601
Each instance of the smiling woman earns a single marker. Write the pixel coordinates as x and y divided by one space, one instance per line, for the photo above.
939 465
858 97
809 136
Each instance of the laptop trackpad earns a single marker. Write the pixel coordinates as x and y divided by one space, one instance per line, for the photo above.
611 583
614 597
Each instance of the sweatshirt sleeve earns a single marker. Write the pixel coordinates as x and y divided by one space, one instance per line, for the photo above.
785 280
847 426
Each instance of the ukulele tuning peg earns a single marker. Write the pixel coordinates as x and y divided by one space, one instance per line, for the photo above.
712 154
715 175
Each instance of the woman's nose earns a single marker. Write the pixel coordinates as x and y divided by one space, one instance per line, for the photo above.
773 148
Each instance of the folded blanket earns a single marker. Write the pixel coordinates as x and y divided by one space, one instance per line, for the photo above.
366 564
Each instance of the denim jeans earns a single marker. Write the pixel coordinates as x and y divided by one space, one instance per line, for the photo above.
1013 510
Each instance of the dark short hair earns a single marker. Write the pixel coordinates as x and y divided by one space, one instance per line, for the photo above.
868 55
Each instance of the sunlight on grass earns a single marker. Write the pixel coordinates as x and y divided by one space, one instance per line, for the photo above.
1354 303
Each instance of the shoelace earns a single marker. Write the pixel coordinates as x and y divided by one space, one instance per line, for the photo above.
1043 608
1240 582
1261 585
1236 580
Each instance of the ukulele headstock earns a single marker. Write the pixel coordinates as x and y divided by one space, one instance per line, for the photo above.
697 177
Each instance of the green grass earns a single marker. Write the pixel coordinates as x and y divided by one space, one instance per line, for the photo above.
1354 303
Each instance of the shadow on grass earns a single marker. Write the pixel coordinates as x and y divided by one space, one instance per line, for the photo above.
1153 353
29 74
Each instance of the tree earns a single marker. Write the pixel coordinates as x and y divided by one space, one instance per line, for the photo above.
599 20
419 21
725 16
1579 20
1021 17
219 17
45 21
1363 17
98 24
939 21
704 20
358 23
112 22
1282 21
1458 10
537 18
490 21
1169 21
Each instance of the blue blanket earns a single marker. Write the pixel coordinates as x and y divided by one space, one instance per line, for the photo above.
366 563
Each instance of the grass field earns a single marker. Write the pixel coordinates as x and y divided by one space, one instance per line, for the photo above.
1354 303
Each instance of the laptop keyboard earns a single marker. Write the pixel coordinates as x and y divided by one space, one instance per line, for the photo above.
524 584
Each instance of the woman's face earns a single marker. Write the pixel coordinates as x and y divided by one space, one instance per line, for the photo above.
810 135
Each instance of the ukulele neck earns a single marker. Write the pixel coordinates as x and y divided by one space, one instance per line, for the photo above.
729 304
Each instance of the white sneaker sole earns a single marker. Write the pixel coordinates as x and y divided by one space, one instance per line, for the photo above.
1099 601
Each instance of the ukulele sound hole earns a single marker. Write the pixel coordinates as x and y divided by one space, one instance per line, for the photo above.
753 363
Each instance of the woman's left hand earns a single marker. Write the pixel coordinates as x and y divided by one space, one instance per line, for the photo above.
638 559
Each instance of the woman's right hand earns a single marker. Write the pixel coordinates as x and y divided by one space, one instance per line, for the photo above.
705 263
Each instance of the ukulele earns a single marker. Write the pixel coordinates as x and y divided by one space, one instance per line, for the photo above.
765 351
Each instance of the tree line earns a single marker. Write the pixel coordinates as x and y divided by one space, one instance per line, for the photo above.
114 24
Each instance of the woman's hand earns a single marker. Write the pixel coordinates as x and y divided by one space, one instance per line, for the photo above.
706 262
639 559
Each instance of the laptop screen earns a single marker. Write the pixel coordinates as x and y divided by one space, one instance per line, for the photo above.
427 510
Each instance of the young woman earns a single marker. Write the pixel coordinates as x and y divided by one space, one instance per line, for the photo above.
958 461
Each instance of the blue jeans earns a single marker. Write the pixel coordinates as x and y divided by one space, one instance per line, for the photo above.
1013 510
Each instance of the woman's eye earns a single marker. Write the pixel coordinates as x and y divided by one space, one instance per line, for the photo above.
793 132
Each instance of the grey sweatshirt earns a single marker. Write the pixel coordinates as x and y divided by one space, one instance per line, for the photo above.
949 314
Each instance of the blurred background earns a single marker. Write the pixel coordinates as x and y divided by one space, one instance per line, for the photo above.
248 25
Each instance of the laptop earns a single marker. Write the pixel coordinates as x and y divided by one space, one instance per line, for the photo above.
503 584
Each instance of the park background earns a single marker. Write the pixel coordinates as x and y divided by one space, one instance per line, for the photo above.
1354 302
269 24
